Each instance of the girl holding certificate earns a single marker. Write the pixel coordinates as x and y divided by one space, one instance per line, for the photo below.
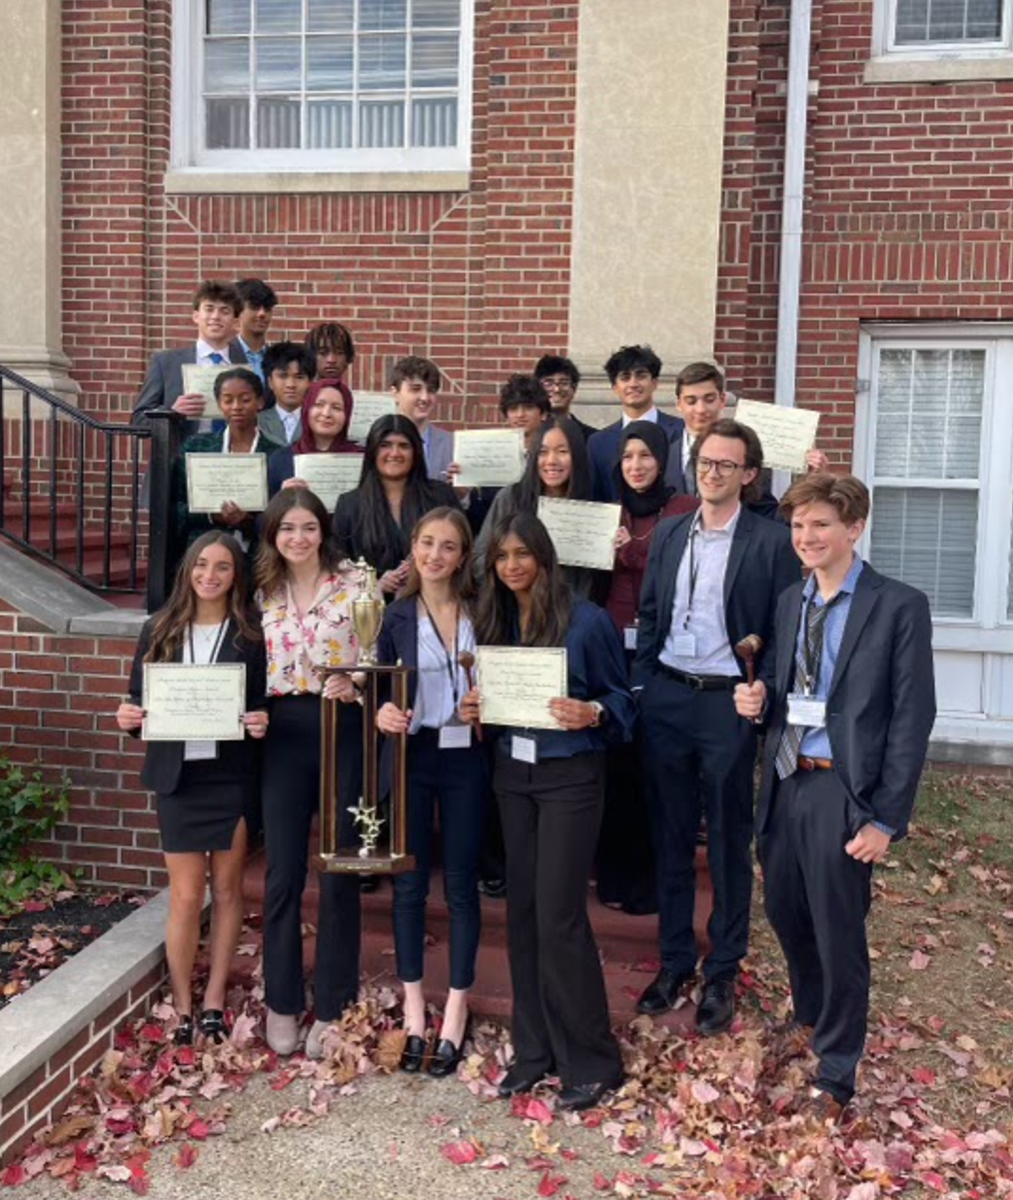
326 415
428 630
375 520
305 593
203 789
550 785
557 466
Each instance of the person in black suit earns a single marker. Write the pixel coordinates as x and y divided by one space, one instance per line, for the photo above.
561 378
849 708
633 372
447 766
204 789
713 578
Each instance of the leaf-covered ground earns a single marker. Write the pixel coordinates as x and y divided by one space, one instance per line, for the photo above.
713 1119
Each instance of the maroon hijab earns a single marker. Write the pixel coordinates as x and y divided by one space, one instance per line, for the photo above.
305 443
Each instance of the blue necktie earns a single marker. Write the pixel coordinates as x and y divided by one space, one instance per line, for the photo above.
218 359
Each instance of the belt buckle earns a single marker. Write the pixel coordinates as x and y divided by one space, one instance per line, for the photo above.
695 682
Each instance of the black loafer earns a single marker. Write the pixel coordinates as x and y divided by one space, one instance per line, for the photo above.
717 1007
445 1058
212 1025
661 994
184 1031
413 1054
579 1096
520 1079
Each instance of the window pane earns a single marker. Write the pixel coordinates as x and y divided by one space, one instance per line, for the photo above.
330 64
330 16
434 122
279 65
329 125
381 123
928 539
228 16
429 14
926 21
434 60
279 16
382 14
228 125
929 409
227 66
278 124
381 64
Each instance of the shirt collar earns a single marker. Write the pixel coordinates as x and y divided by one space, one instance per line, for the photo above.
728 527
251 354
227 440
204 351
651 415
849 584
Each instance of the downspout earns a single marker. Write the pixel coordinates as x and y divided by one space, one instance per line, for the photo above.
790 281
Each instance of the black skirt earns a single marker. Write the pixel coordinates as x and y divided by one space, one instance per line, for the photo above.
201 815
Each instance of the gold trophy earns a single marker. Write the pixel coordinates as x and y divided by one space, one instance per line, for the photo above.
369 856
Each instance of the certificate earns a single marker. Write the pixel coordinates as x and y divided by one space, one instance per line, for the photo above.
369 407
582 532
329 475
488 457
786 434
517 682
214 479
202 379
194 703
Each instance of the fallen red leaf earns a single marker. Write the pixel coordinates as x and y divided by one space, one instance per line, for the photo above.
460 1153
14 1175
198 1129
34 906
186 1156
551 1184
601 1182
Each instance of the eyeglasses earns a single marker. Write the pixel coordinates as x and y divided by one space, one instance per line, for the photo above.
557 385
723 466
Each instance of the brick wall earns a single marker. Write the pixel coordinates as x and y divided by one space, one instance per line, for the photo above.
477 280
59 697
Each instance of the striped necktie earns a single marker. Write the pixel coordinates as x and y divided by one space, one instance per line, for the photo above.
806 680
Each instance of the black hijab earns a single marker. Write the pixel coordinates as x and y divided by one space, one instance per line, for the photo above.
654 499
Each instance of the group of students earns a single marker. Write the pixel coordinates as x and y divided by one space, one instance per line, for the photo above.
704 632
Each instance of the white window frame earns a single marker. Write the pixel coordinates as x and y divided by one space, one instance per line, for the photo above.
989 628
193 166
884 42
935 62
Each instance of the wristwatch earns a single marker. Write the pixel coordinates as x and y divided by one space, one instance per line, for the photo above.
599 713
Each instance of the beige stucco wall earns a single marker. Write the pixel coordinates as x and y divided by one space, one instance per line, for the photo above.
30 323
650 128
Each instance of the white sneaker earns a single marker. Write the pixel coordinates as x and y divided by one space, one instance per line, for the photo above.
282 1032
315 1039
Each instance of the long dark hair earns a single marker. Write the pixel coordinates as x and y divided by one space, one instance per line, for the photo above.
578 487
171 621
463 582
497 622
271 569
376 527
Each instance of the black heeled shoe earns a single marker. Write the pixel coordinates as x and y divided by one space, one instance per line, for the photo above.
413 1054
213 1025
446 1056
184 1031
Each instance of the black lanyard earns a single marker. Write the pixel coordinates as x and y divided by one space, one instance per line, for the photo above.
694 572
451 661
214 648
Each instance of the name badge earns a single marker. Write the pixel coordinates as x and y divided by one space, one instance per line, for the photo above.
630 637
455 737
806 710
684 645
524 749
199 751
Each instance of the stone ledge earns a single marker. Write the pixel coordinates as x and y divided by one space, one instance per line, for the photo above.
42 592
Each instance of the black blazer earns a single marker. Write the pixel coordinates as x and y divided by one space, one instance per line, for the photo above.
761 565
881 704
347 525
399 641
237 762
603 451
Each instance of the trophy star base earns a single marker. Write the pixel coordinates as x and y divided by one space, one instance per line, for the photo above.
348 862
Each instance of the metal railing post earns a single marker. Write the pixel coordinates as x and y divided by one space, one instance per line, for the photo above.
163 552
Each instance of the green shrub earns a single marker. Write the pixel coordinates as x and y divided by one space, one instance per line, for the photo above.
29 811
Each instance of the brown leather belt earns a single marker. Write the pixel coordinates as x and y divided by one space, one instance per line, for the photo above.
815 764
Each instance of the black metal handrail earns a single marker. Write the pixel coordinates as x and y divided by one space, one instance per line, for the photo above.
49 463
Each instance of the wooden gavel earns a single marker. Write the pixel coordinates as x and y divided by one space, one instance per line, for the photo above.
747 650
467 661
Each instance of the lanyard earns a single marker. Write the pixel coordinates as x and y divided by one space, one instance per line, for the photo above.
694 573
451 661
812 650
214 648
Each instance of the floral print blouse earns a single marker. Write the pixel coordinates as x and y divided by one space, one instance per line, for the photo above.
323 636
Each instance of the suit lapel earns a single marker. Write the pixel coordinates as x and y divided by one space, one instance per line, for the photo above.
740 541
786 647
676 549
862 604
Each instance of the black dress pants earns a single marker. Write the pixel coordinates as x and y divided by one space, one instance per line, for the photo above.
291 782
551 814
817 898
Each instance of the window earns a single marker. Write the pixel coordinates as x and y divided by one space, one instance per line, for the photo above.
935 444
324 85
947 22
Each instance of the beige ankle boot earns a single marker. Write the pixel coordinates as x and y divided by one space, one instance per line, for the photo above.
282 1032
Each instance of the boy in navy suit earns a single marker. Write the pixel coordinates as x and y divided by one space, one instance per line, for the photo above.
850 708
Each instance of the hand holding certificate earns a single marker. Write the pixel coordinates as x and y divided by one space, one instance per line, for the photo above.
369 407
786 434
582 531
213 480
488 457
194 703
200 380
328 475
516 684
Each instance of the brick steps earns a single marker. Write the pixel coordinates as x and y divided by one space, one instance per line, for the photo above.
93 542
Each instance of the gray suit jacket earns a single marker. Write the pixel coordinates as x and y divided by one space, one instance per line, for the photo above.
440 453
163 384
272 426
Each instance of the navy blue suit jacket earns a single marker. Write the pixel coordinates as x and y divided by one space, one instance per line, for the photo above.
603 451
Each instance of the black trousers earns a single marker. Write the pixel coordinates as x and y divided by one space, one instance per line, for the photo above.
551 814
817 898
291 792
698 755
